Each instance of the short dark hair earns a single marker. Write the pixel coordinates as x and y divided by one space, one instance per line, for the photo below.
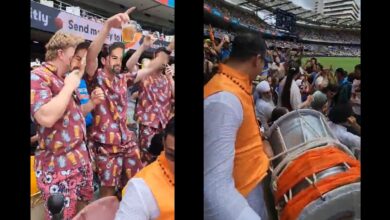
358 67
247 45
170 128
277 113
340 113
83 46
331 88
162 49
156 144
341 72
107 51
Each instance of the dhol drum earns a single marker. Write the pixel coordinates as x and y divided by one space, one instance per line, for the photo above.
36 201
298 131
313 176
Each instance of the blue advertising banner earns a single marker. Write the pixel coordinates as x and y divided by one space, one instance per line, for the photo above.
43 17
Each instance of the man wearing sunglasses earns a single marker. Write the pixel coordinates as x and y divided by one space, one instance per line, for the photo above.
150 193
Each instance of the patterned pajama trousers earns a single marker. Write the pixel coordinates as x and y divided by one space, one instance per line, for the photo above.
75 185
146 134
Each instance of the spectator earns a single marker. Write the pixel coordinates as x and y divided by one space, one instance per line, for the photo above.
344 94
321 80
276 114
341 116
264 104
319 102
150 193
290 94
331 91
356 95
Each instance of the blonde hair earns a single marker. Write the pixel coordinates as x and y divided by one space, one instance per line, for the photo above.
60 40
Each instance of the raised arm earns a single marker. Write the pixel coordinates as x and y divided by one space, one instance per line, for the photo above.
96 46
219 47
50 112
133 60
154 65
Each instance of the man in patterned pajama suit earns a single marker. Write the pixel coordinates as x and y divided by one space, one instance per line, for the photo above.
118 157
155 104
62 161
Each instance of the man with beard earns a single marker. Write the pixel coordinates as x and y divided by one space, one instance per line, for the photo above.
118 157
62 162
264 104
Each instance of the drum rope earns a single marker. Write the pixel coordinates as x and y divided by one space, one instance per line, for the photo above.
310 159
304 120
289 150
304 147
306 168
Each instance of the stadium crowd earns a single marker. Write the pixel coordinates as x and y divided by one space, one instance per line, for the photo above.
303 32
328 35
243 16
333 92
310 49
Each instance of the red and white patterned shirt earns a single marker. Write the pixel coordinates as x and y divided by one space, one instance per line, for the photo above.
61 147
155 101
109 124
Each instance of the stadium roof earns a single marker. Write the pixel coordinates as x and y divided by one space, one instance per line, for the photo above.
302 14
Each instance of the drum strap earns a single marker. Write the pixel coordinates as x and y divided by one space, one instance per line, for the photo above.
309 164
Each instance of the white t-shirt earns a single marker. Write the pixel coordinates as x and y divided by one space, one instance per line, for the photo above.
138 203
